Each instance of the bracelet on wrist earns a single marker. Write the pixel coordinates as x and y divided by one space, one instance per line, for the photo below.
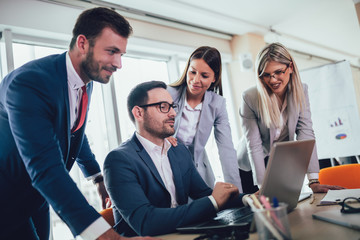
98 179
312 181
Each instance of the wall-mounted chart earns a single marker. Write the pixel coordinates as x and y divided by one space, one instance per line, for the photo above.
334 109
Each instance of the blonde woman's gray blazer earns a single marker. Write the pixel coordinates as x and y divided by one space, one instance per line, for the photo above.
213 114
257 139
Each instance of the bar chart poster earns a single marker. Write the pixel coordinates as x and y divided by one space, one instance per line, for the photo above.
334 109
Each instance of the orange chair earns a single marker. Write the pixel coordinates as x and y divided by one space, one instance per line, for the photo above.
347 176
108 215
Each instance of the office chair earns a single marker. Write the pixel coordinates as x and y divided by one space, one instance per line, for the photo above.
108 215
347 176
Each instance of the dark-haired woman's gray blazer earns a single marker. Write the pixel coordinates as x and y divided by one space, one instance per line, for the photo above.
213 114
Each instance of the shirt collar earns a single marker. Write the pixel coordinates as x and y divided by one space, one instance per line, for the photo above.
197 108
74 79
151 147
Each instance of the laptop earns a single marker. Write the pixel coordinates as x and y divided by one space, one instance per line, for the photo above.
304 195
286 169
351 220
284 177
232 220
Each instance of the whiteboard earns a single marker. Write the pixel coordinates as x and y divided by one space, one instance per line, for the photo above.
334 110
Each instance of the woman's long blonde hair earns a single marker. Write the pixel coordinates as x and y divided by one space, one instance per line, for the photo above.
268 102
213 58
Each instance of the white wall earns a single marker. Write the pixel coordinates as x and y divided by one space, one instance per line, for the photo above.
50 20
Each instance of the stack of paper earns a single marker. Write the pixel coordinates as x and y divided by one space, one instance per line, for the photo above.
336 196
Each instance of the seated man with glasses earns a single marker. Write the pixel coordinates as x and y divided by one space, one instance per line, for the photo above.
149 181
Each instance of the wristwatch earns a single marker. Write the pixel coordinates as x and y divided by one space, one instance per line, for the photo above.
311 181
98 179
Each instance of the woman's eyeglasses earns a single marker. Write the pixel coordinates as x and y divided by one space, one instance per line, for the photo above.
276 74
163 106
348 206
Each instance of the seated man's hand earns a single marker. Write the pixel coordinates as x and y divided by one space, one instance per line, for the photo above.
322 188
223 192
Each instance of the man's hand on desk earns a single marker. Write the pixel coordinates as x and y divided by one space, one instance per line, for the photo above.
112 235
322 188
223 192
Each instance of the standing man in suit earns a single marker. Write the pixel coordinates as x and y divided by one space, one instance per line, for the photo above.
149 181
42 126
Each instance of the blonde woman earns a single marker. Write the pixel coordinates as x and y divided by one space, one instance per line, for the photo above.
202 108
274 111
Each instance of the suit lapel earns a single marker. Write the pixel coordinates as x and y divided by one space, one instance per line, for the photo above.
147 160
293 115
180 100
204 129
177 177
272 135
62 70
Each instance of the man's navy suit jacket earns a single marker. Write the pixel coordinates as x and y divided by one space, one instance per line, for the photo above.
35 149
142 205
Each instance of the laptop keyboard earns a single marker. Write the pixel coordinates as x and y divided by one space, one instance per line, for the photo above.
234 215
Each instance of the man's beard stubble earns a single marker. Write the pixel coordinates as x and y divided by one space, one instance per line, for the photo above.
92 68
161 134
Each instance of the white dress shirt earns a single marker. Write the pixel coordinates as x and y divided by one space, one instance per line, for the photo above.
75 92
99 226
282 133
189 123
158 155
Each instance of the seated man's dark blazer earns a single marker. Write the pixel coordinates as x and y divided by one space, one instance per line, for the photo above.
37 148
141 201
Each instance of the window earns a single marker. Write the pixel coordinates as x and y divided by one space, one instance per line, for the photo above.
135 71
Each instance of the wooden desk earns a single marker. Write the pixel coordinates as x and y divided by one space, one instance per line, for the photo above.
302 225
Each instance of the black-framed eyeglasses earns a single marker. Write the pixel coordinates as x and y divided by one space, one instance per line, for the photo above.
163 106
346 205
276 74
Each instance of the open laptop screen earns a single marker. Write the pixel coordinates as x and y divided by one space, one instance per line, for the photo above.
286 169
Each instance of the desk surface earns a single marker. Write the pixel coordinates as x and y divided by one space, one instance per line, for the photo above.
302 225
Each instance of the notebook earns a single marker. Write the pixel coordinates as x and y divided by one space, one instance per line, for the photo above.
336 196
351 220
286 169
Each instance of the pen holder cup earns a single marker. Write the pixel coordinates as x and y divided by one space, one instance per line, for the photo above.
273 223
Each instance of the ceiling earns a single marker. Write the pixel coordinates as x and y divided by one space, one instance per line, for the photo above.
325 28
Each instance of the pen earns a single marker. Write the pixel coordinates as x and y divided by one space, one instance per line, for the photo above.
275 202
264 200
256 201
312 200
